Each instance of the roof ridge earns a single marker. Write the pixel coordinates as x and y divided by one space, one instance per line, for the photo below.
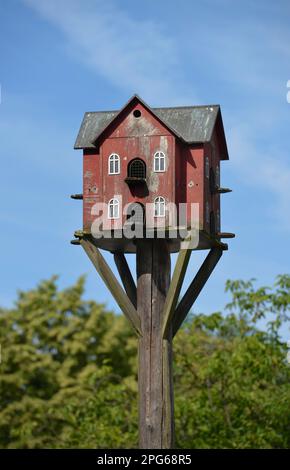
161 107
108 111
190 107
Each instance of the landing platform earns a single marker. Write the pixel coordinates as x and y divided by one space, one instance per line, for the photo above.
118 242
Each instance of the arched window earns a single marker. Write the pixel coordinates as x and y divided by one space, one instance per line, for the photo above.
137 169
114 164
113 209
159 206
159 161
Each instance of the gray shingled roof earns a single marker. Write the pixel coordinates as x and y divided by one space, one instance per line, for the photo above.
193 124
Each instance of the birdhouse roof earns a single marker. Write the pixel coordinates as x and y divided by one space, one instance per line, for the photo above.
192 124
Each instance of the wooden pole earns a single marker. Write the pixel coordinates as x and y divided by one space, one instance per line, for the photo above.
156 321
156 424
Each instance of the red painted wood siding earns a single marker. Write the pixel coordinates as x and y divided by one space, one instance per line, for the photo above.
193 158
92 186
158 184
138 138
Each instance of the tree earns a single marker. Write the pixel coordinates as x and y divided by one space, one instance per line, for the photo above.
57 352
69 372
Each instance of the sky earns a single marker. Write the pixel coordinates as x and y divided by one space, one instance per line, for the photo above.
61 58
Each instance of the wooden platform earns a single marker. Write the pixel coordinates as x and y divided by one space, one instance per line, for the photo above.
117 242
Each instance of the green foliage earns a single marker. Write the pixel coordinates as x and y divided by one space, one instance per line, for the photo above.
69 377
59 352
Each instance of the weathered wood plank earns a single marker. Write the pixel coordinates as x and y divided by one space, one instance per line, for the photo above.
112 283
195 288
174 289
144 307
155 374
168 399
126 277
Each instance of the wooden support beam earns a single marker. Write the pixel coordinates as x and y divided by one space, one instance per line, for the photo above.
220 190
75 242
195 288
225 235
156 422
126 277
174 289
112 283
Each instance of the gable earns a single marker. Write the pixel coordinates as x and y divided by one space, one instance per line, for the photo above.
134 121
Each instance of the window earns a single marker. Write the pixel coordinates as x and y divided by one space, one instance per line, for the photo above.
159 206
159 161
137 169
113 209
114 164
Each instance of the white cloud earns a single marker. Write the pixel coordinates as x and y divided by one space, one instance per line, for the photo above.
134 55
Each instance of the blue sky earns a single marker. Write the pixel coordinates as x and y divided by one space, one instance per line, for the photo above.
60 58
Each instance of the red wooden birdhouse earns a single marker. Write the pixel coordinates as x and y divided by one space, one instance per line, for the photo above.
151 161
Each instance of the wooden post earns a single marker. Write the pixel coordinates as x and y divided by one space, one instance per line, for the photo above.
156 428
156 321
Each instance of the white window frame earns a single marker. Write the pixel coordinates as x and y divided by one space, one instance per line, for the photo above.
115 205
159 206
159 157
114 158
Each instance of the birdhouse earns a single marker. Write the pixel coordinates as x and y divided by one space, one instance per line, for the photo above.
143 164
